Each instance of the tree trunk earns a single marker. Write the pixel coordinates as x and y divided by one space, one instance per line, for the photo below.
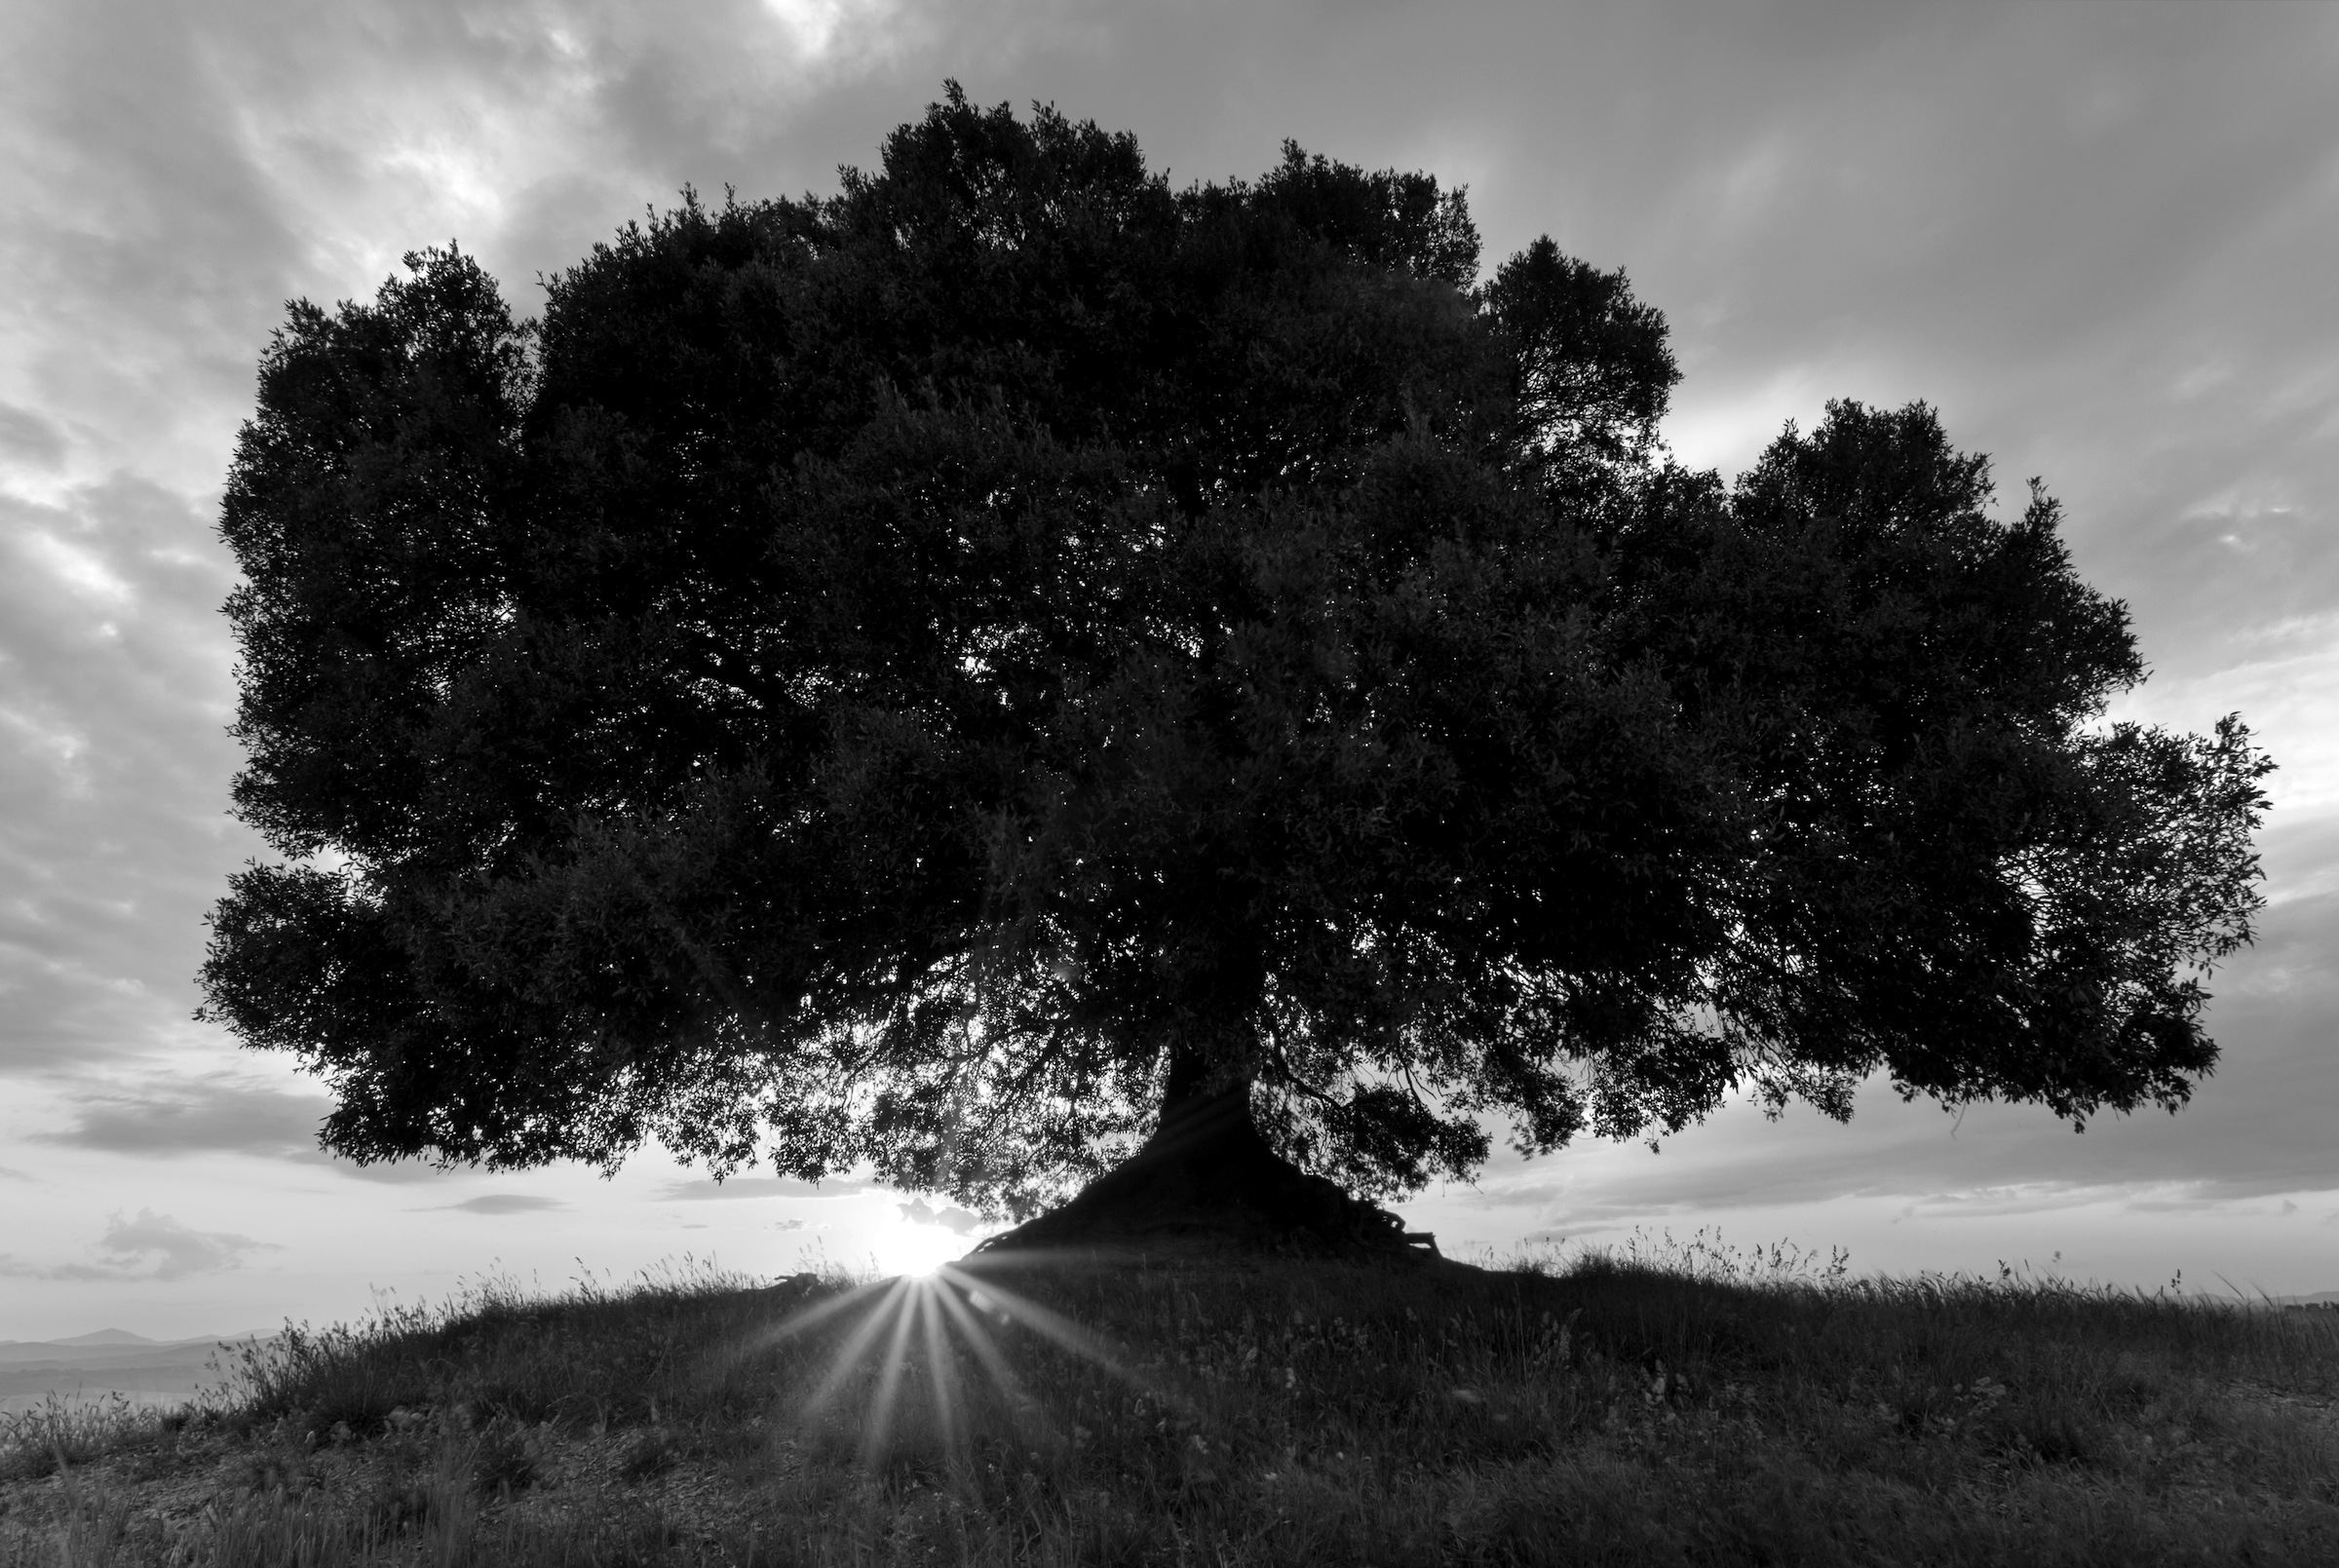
1186 1077
1208 1177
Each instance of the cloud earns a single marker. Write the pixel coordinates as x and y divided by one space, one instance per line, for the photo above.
503 1204
2258 1128
1513 1193
382 1172
2102 281
763 1187
229 1113
12 1173
29 439
957 1221
114 767
151 1246
217 1114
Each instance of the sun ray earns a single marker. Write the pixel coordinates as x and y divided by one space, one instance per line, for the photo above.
878 1430
806 1317
1047 1322
978 1339
942 1371
1028 1413
931 1316
848 1354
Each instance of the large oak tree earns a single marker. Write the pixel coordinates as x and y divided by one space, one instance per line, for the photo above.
943 673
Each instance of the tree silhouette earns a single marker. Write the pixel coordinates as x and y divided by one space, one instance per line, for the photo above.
965 671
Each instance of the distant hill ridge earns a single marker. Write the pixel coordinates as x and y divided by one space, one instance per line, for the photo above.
111 1362
108 1336
112 1350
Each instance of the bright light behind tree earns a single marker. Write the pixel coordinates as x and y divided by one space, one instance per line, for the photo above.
917 1251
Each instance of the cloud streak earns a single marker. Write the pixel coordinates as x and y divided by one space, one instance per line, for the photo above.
212 1115
149 1246
503 1203
738 1187
113 769
957 1221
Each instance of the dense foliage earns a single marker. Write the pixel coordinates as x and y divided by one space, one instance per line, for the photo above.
920 674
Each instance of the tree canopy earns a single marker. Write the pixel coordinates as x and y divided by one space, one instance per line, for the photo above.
928 674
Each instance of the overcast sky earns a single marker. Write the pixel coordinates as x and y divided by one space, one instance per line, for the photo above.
2102 239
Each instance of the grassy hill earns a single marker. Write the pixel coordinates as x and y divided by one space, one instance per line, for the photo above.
1690 1407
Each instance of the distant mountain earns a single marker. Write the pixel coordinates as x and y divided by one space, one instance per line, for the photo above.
107 1336
88 1350
92 1367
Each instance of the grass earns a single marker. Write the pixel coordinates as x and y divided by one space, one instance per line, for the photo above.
1667 1404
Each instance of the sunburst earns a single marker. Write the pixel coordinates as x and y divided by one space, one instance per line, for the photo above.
931 1317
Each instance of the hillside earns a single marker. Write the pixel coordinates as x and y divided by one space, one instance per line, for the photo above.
1696 1407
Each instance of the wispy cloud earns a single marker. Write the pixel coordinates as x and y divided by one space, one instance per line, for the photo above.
113 769
217 1114
957 1221
150 1246
503 1203
29 439
764 1187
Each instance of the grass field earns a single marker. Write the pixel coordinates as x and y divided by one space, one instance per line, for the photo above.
1677 1404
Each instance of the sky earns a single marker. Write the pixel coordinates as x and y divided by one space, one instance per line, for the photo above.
2101 239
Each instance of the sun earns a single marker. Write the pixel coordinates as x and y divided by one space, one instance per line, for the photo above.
916 1251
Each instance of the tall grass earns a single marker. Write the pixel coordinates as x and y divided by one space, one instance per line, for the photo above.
59 1431
1663 1402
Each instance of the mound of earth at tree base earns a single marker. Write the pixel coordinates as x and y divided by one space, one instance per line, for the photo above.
1207 1181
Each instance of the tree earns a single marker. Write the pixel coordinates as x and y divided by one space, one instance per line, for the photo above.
959 671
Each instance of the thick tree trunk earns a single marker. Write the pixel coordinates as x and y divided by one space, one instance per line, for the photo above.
1208 1177
1186 1079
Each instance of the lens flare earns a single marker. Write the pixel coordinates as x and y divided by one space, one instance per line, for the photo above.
961 1327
